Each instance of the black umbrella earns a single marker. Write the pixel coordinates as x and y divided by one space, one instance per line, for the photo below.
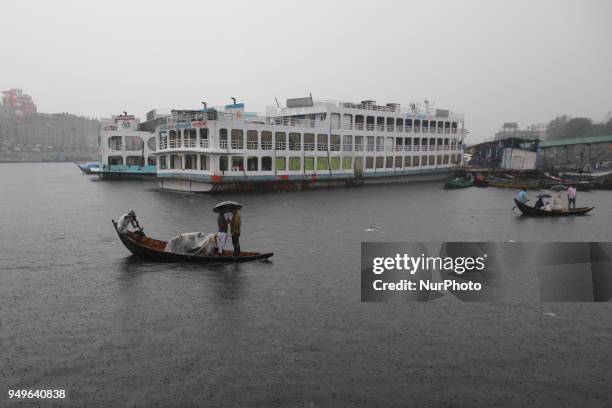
544 196
558 187
226 206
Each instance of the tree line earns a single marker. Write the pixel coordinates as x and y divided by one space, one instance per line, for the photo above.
563 127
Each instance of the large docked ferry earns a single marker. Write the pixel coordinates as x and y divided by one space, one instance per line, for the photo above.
307 144
125 151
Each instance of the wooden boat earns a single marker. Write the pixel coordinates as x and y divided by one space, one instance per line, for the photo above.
458 183
529 210
510 183
153 250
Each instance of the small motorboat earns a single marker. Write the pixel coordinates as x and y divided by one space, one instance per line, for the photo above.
89 167
153 250
529 210
458 183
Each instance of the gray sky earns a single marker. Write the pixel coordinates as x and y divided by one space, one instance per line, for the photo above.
495 61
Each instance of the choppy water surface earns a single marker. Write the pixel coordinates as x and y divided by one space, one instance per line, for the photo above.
79 313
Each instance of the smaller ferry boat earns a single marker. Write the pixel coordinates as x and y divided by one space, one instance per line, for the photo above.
125 151
458 183
88 167
529 210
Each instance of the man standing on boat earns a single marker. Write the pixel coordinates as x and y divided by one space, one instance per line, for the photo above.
125 221
222 231
571 197
235 230
522 196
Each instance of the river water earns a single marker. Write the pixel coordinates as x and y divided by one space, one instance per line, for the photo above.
77 312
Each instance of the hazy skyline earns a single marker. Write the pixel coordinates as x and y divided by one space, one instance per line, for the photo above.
494 61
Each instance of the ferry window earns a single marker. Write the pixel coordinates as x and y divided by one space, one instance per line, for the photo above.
399 122
335 143
380 143
133 143
347 121
439 142
222 163
407 161
389 144
347 143
439 159
380 122
389 161
380 162
408 142
237 139
115 143
251 162
134 161
222 134
347 163
151 144
237 163
176 162
417 124
359 122
151 161
203 133
295 141
266 140
321 142
308 163
432 160
295 163
398 161
335 120
370 140
432 142
252 139
322 163
266 162
445 159
335 163
191 162
425 124
416 161
281 164
432 125
203 162
408 124
309 141
390 123
163 162
115 161
280 139
369 162
358 143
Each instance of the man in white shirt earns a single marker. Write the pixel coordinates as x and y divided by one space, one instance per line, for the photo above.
125 221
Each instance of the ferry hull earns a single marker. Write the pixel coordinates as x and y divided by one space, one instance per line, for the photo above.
297 183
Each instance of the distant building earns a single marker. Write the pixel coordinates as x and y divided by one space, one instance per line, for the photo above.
576 154
510 153
511 129
22 104
26 135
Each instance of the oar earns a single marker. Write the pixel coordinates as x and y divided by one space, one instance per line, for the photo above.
515 206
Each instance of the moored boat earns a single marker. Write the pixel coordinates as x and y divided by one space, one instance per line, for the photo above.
88 167
152 249
512 183
529 210
458 183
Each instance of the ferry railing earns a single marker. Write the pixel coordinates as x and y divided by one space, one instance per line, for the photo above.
417 130
281 145
370 126
390 128
408 129
237 145
370 148
334 147
322 147
309 146
380 127
380 148
347 126
223 144
190 143
251 145
399 128
358 147
175 143
291 122
204 143
295 146
163 144
359 126
266 145
347 147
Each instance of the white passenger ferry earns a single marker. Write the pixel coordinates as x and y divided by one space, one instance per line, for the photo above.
125 151
308 143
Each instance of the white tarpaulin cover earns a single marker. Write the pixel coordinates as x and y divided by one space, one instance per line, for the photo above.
192 243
